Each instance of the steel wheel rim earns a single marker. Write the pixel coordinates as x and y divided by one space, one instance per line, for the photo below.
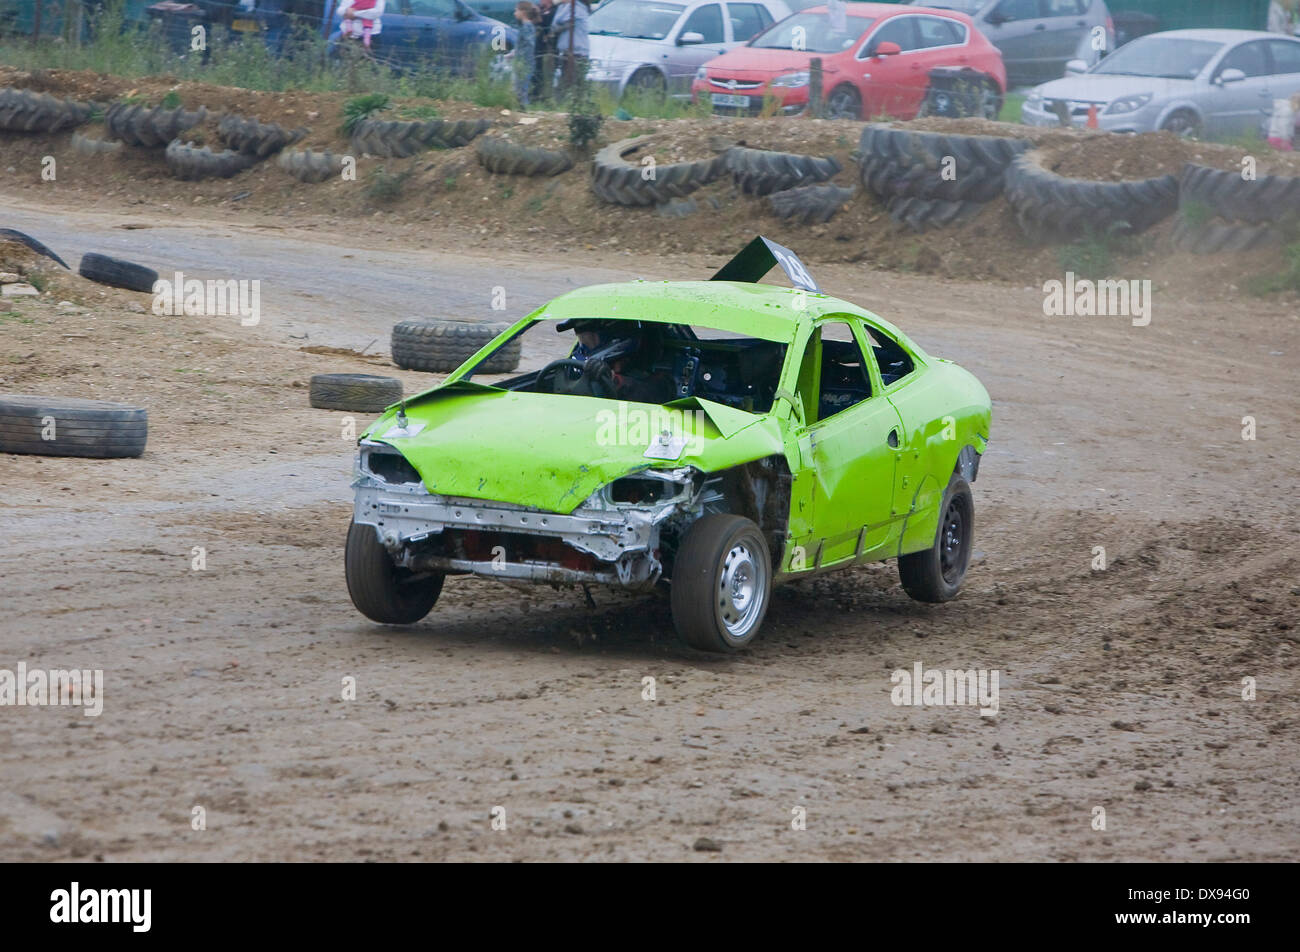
952 542
742 590
840 106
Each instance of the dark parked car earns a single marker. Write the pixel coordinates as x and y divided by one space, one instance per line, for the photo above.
443 34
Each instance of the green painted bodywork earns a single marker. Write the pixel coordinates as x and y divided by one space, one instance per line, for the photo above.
854 496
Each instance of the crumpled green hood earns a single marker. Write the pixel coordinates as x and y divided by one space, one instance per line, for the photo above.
553 451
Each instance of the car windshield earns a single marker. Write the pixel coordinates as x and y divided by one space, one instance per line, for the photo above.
961 6
635 19
812 33
1159 58
644 362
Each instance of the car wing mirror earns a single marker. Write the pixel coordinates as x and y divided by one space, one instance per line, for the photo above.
1075 67
887 48
1231 75
690 39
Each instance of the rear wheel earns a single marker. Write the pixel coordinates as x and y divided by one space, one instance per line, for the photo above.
721 584
382 591
1184 123
647 82
935 575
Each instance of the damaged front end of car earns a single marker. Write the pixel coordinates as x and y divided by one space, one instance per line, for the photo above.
613 537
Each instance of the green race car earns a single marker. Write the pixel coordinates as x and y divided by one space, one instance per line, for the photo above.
716 436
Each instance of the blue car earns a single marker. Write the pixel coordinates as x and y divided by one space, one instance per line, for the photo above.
433 34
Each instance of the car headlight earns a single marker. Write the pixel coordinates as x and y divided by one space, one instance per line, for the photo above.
792 79
701 74
1128 104
1034 98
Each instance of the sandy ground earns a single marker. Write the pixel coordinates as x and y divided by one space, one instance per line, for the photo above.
1120 689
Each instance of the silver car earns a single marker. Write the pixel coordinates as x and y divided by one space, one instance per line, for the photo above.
657 46
1213 83
1036 37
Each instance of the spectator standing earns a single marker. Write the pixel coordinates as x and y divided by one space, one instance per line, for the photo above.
361 20
544 74
525 56
1281 17
570 30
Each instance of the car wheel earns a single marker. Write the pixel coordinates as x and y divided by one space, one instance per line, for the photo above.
844 103
647 82
382 591
721 583
935 575
990 102
1184 124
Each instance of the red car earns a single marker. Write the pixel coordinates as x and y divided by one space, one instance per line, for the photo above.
877 60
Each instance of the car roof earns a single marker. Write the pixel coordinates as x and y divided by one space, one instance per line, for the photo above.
757 310
1220 36
862 9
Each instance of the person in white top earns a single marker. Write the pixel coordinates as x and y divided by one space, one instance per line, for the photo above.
361 20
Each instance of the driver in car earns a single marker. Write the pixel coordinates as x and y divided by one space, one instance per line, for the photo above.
618 376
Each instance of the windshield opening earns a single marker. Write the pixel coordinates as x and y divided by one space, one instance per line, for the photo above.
645 362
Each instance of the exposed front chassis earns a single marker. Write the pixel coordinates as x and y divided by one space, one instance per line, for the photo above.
612 543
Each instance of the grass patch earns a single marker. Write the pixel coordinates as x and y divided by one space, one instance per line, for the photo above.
1095 256
1011 107
385 186
1288 279
359 108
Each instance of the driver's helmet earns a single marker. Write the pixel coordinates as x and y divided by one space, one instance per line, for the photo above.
624 333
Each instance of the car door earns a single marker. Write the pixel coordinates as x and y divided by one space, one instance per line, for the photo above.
420 33
1066 25
686 58
1016 27
1284 56
892 85
1237 108
845 441
747 21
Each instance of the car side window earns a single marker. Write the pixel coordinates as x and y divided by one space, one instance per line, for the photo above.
442 9
706 21
844 380
1250 58
939 31
746 20
1286 56
1066 8
1009 10
900 30
892 360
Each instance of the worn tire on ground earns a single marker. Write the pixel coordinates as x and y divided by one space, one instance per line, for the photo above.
1215 237
364 393
1267 199
1051 205
309 166
899 162
22 110
138 125
619 182
924 214
762 172
442 346
190 163
117 273
10 234
88 428
809 205
395 139
503 157
85 145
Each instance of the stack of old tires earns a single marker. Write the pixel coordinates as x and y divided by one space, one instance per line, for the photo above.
1226 211
22 110
396 139
932 179
1051 206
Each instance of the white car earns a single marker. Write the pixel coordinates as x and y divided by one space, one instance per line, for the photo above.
657 46
1213 83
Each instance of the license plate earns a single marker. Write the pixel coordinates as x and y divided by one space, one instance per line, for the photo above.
727 99
245 26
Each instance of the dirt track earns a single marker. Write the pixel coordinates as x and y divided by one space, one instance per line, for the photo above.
1119 689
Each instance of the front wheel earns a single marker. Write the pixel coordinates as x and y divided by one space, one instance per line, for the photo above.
1184 123
935 575
844 103
382 591
721 583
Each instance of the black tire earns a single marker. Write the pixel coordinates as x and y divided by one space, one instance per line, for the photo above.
1183 123
364 393
442 346
924 214
190 163
85 145
1269 199
713 553
309 166
503 157
9 234
92 429
761 172
1216 237
22 110
812 204
619 182
395 139
1051 205
380 590
844 102
936 574
253 138
649 82
899 162
138 125
117 273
